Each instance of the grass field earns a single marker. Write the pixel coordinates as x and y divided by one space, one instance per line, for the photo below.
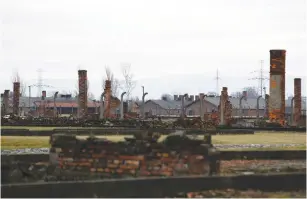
42 128
15 142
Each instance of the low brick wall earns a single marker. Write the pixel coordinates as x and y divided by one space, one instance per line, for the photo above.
153 187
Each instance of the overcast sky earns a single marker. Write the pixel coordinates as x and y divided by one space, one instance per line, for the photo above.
173 46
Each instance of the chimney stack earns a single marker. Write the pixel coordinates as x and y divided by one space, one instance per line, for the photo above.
180 97
277 86
175 97
82 74
297 100
196 97
201 103
244 93
43 95
16 96
192 97
107 99
222 106
6 95
267 97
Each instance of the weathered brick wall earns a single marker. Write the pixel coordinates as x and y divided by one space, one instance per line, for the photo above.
108 159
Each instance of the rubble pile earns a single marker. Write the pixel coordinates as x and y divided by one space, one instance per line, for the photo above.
9 120
143 156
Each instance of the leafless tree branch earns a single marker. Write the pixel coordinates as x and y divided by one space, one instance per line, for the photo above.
129 83
115 84
23 86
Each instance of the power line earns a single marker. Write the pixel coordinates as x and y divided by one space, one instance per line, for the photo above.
261 78
39 82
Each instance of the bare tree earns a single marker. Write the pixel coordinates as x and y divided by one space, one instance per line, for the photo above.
251 92
211 93
23 88
129 83
115 84
167 97
236 94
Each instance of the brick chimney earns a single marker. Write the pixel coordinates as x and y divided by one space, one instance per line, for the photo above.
192 97
6 101
297 100
202 106
16 96
267 98
107 99
196 97
82 109
244 93
175 97
277 86
44 94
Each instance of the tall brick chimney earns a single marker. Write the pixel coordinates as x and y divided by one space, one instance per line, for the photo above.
44 95
267 98
107 99
16 96
221 107
42 106
82 93
224 108
277 86
201 103
244 93
297 100
6 101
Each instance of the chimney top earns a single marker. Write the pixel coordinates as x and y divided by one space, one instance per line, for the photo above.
244 93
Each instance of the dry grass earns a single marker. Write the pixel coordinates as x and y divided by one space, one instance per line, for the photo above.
31 128
262 138
14 142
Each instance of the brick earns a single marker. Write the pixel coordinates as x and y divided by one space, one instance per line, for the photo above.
100 169
128 167
112 166
98 155
138 157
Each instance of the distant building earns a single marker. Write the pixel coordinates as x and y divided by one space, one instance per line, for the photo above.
192 106
65 104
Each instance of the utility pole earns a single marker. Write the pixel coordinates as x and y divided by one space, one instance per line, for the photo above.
261 78
217 78
39 82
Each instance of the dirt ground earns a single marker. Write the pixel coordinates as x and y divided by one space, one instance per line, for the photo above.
231 193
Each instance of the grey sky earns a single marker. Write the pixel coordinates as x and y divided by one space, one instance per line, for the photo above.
162 40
